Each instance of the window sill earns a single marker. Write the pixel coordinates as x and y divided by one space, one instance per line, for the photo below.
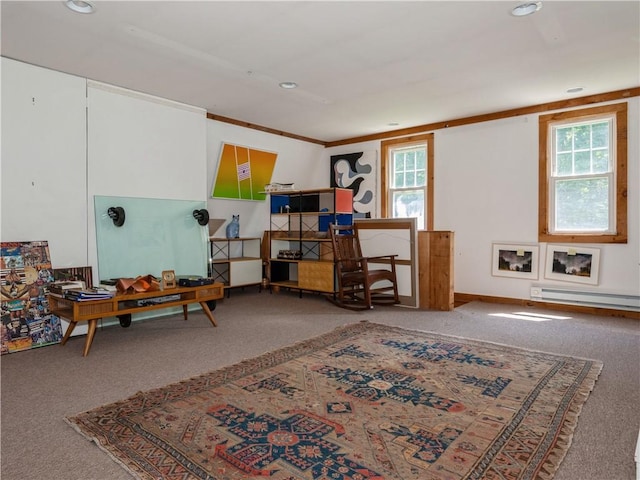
581 238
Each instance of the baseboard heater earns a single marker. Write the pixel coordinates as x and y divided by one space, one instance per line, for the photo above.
616 301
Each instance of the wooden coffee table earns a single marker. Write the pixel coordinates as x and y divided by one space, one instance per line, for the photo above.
123 306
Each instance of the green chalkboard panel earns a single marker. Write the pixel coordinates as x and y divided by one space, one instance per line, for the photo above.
156 235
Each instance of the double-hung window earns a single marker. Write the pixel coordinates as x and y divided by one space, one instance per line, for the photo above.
583 175
407 176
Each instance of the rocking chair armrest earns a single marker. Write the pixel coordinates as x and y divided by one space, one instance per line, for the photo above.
379 257
365 259
391 258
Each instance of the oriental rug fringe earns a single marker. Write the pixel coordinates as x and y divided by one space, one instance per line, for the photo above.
363 402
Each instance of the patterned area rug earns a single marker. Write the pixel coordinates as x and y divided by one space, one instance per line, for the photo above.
364 402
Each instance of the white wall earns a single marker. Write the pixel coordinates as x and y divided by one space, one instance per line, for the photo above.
43 160
144 146
486 191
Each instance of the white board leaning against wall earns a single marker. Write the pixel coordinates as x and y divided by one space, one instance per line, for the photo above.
394 236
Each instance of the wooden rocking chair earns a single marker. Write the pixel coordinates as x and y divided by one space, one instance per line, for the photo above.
359 285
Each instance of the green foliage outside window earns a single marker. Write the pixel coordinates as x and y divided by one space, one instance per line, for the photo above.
582 204
581 191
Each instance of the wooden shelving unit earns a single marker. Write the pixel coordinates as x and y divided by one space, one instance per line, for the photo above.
300 252
235 262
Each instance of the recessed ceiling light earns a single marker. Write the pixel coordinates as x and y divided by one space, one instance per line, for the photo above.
79 6
526 9
393 124
288 85
575 90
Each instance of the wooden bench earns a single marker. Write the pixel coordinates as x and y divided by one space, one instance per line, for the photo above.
123 306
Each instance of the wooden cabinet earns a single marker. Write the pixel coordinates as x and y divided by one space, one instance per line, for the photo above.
235 262
300 252
435 264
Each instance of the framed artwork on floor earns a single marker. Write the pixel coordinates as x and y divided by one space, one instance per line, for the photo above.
515 261
25 274
572 264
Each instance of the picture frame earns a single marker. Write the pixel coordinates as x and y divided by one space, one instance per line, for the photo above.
569 263
357 171
74 274
243 172
515 261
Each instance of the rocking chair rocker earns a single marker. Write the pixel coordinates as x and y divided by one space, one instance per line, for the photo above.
359 285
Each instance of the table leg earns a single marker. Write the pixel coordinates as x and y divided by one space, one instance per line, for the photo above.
90 334
207 312
67 334
185 310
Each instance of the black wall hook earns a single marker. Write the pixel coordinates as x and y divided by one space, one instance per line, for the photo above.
202 216
117 215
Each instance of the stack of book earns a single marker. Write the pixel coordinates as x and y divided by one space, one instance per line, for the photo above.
58 288
108 287
78 295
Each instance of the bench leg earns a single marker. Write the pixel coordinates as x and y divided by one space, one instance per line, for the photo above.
67 334
90 334
207 312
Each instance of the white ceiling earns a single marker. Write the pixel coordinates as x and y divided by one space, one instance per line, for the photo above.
359 65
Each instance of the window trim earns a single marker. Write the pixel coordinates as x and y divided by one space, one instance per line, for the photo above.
620 196
385 168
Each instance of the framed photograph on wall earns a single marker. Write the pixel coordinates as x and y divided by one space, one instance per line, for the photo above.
572 264
515 261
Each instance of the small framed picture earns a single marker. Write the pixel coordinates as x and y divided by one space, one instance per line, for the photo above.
74 274
572 264
515 261
168 279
